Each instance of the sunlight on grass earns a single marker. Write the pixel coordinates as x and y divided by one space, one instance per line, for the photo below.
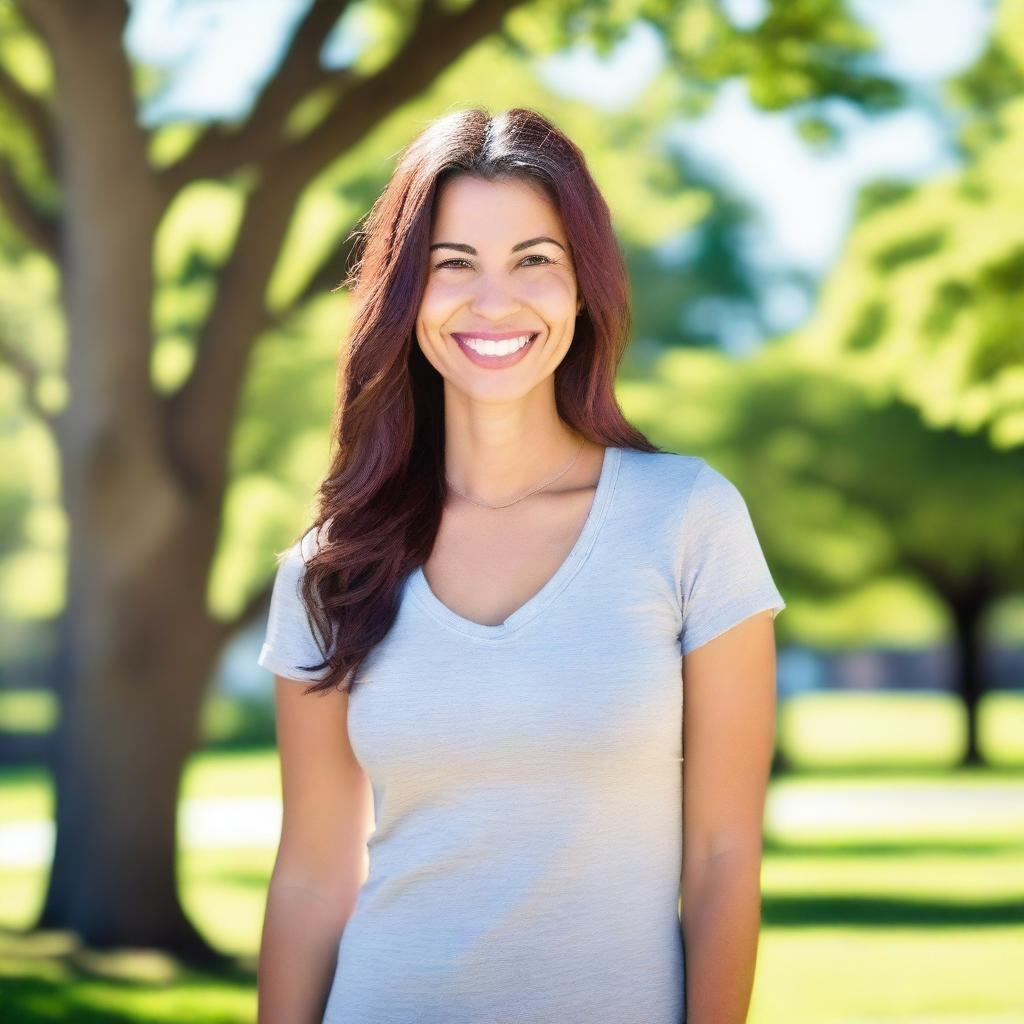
1001 725
837 975
849 729
224 893
250 773
843 729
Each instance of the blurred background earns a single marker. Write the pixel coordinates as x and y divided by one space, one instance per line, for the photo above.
822 206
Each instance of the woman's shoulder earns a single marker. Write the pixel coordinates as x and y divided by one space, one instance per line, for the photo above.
668 472
686 487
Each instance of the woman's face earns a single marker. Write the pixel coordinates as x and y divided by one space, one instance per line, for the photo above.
483 281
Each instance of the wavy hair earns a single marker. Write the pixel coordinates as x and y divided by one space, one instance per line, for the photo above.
379 505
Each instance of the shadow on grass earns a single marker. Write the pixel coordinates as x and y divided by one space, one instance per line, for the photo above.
892 848
871 911
48 977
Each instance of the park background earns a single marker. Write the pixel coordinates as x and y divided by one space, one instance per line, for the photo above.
822 208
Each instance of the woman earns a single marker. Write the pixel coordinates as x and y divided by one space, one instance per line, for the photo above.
485 819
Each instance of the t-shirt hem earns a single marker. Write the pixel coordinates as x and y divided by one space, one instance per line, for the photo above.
269 659
733 617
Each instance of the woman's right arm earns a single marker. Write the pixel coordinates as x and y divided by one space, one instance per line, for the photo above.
321 858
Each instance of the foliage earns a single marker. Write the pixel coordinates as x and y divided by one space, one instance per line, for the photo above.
927 303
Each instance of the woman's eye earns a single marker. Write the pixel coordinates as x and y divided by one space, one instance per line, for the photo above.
532 256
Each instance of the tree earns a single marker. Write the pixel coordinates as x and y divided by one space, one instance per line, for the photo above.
925 312
145 468
927 303
849 491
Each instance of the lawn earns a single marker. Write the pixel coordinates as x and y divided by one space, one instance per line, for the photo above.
889 894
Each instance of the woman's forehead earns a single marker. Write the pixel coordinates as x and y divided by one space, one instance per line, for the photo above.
493 209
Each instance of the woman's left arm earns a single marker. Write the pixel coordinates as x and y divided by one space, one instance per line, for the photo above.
728 742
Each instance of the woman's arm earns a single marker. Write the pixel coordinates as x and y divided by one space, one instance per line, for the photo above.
321 859
728 741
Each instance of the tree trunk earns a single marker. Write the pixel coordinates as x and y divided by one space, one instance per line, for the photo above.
138 645
967 611
138 650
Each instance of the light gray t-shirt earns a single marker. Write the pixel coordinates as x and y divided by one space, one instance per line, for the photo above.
526 859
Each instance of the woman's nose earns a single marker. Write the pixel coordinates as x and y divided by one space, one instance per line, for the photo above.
494 300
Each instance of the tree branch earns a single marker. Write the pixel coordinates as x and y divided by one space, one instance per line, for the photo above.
38 227
199 417
39 15
252 610
218 151
23 367
435 40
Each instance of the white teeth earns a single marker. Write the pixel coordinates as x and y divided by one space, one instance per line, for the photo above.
489 347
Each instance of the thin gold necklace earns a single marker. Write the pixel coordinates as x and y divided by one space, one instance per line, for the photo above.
561 472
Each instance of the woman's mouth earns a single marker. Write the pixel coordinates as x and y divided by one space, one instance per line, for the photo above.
495 353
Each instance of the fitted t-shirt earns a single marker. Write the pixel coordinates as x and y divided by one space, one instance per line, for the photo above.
526 858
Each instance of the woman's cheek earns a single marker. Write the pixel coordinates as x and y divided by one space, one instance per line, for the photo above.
556 299
559 284
434 309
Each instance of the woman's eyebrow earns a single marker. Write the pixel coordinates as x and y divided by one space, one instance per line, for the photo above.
462 247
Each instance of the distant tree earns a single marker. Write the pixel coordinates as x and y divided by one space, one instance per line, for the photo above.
144 457
848 489
925 312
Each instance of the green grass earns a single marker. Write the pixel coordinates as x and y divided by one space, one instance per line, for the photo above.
890 895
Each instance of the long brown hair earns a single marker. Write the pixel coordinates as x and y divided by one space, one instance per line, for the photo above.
380 503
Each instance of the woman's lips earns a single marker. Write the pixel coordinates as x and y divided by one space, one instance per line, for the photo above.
495 362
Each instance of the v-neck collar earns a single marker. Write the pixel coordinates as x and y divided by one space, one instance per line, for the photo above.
420 588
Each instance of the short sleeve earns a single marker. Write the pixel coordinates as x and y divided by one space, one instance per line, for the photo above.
289 642
724 577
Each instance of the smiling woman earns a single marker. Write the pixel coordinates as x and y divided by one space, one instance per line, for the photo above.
500 596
